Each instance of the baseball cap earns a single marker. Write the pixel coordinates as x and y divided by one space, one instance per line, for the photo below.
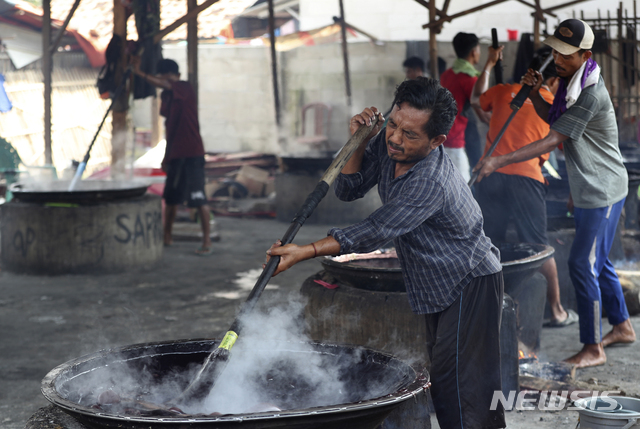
571 36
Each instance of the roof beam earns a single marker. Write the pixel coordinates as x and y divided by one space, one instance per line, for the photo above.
440 13
567 4
177 23
463 13
533 6
56 42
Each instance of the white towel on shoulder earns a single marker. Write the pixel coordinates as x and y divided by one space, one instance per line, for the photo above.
575 84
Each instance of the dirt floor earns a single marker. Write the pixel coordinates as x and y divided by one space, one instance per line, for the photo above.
45 321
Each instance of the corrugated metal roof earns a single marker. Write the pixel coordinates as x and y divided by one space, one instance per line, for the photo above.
95 17
76 113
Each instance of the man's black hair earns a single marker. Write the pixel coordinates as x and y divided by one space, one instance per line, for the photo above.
464 43
425 93
538 58
414 63
167 66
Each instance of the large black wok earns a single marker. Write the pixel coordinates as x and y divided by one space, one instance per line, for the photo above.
389 382
86 191
519 262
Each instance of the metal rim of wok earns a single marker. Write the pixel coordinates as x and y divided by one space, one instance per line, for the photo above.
49 391
390 280
88 190
544 252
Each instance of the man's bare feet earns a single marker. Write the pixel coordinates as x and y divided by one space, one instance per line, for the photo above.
168 239
590 355
621 334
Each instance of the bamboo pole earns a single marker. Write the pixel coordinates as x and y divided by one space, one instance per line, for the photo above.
46 74
345 54
192 47
274 61
56 42
433 45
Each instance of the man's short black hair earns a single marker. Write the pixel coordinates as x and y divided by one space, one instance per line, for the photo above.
167 66
464 43
425 93
414 63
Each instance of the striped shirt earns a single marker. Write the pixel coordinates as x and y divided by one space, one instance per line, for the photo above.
432 218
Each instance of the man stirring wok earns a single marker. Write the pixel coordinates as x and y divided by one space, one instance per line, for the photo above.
451 270
582 117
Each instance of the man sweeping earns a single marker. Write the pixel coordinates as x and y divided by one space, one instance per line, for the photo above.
184 155
582 117
450 268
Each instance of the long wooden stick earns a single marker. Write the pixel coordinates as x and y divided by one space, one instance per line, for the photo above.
516 104
215 363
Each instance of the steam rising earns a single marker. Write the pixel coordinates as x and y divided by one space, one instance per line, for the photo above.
284 353
272 367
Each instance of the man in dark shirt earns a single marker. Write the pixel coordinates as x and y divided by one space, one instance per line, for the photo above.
184 155
451 271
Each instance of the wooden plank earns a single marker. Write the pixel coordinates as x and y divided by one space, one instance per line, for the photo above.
177 23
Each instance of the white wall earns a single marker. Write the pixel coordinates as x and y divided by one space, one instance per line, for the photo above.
236 108
315 74
400 20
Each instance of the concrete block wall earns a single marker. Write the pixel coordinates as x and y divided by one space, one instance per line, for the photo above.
315 74
236 104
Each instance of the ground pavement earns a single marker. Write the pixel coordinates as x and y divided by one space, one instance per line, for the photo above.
45 321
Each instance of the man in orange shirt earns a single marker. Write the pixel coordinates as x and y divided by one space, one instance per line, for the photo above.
518 191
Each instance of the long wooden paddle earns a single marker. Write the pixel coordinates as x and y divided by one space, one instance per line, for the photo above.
215 363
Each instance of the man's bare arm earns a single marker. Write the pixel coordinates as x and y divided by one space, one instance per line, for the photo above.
486 166
153 80
292 254
534 79
482 84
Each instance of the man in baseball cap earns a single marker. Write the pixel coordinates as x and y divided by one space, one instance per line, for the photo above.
571 36
583 124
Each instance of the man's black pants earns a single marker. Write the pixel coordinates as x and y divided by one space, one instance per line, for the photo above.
463 342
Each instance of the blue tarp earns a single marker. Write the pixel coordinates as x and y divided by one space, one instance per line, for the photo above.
5 103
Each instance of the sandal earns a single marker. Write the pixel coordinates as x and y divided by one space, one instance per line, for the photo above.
572 317
204 251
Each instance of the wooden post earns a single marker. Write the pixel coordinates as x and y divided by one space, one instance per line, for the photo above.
536 26
433 44
46 74
620 67
274 60
192 47
156 120
119 133
345 54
